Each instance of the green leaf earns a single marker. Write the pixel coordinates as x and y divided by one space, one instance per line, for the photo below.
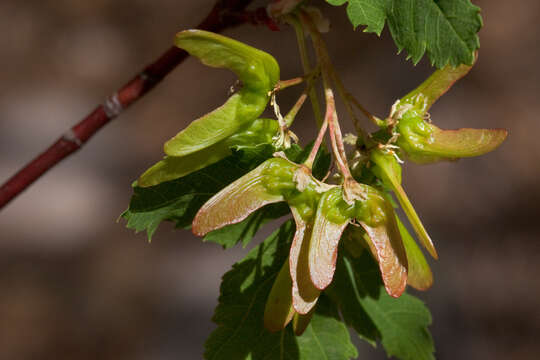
400 324
241 335
445 29
326 337
371 13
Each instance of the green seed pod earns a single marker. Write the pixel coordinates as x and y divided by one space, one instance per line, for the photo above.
377 218
304 293
376 215
305 201
371 211
385 167
261 131
424 142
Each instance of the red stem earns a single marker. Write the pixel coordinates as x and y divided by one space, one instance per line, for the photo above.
224 14
331 118
317 144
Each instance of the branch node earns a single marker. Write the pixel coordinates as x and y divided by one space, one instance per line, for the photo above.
112 106
71 137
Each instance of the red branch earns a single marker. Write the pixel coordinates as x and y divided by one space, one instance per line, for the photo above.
224 14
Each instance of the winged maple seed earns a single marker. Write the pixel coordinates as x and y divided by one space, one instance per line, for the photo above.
279 311
410 128
408 132
321 214
388 170
377 218
304 292
262 186
209 138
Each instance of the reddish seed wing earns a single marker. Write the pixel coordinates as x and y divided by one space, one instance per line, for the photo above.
461 143
304 293
234 203
323 247
387 248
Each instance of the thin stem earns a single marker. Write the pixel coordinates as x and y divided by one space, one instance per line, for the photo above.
375 120
289 118
348 98
343 94
283 84
339 140
335 134
300 38
283 139
317 144
220 17
331 115
284 123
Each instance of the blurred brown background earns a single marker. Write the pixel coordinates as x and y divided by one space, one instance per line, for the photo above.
75 284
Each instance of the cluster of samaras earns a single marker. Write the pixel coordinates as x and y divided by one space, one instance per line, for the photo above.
322 211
